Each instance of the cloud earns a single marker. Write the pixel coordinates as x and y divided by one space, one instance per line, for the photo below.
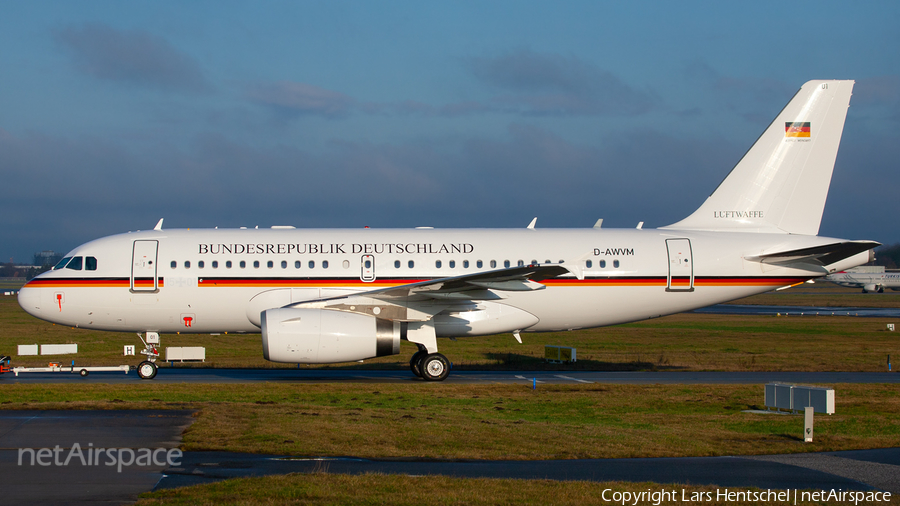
550 84
751 98
133 57
301 99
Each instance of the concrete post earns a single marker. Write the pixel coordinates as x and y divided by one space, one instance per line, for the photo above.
808 424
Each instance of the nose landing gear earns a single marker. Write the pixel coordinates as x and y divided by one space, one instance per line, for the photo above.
147 369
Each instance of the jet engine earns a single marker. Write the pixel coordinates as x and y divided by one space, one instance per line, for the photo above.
320 336
873 288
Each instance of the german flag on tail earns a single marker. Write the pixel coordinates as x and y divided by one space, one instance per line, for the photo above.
796 129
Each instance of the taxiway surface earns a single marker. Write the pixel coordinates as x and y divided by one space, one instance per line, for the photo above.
211 375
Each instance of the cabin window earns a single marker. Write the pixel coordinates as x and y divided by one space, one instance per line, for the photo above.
200 264
615 264
589 264
521 263
62 263
411 264
256 264
535 262
243 264
270 264
437 263
324 264
452 264
479 264
602 264
396 264
506 263
284 264
346 264
187 264
465 264
215 264
228 264
297 264
174 264
493 264
547 261
312 264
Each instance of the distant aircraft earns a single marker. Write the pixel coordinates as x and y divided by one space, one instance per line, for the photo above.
870 279
327 296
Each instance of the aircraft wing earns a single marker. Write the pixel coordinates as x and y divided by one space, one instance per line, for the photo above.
817 255
422 300
514 279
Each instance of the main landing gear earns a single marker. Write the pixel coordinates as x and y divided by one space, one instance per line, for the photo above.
147 369
429 366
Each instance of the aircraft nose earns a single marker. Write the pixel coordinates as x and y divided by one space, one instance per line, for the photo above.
30 300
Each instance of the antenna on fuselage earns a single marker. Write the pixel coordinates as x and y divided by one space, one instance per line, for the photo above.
158 224
599 223
532 224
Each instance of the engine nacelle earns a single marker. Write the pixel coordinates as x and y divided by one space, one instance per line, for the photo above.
318 336
873 288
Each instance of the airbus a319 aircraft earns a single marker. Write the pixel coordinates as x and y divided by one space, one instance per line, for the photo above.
329 296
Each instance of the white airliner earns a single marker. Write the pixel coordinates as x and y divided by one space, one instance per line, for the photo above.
328 296
870 279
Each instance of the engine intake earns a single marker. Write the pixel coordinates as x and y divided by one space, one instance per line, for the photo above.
317 336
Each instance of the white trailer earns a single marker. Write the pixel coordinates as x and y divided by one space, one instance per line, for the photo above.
82 370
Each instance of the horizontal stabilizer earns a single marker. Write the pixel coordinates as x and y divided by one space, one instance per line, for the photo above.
817 255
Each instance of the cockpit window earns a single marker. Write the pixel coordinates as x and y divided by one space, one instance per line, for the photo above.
62 263
90 263
75 264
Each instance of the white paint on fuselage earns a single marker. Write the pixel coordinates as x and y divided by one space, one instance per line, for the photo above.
640 254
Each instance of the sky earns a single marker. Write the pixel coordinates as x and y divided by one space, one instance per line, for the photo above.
403 114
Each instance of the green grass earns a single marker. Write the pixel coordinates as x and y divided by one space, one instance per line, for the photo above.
688 342
441 421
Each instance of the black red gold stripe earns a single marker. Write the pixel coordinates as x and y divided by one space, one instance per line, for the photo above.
92 282
223 282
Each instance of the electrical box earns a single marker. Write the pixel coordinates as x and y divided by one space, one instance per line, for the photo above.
559 353
28 349
58 349
797 398
185 353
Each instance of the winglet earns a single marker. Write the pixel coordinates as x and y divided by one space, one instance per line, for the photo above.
532 224
158 224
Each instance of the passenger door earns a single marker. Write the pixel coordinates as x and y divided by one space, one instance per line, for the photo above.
143 267
681 266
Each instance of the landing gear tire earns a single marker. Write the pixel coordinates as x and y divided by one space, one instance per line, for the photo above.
83 373
146 370
415 362
435 367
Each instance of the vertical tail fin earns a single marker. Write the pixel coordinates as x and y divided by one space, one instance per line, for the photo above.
780 185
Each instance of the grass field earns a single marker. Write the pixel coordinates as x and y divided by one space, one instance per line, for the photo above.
687 342
444 421
425 420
